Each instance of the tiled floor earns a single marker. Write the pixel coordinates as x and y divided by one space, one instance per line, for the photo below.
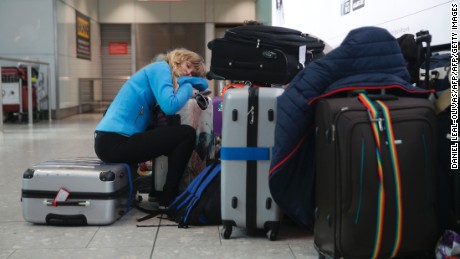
22 145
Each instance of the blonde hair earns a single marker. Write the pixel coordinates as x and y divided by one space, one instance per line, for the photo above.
179 55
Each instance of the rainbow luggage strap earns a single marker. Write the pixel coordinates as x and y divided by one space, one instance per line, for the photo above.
376 128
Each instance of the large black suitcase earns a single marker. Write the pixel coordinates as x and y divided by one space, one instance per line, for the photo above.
449 177
356 216
262 54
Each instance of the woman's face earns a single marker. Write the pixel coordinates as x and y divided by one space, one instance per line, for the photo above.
186 68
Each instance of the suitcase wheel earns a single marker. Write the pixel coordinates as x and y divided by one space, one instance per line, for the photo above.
272 234
226 232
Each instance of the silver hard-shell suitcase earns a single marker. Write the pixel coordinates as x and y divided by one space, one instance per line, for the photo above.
247 138
98 193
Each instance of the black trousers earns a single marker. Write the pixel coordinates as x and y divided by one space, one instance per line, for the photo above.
175 142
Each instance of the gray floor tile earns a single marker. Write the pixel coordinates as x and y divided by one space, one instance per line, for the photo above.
192 236
305 251
85 253
10 203
5 253
240 236
252 251
288 234
123 236
22 235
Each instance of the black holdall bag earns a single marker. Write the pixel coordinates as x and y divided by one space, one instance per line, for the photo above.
263 54
197 205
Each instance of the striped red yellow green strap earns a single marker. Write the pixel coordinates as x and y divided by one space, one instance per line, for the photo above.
396 176
376 128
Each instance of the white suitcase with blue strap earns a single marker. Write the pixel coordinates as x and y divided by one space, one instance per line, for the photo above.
249 117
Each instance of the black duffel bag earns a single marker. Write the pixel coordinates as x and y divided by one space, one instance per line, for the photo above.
262 54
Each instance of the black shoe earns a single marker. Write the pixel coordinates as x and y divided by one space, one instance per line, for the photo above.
153 198
165 202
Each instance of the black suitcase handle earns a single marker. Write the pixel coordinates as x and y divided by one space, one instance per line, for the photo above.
66 220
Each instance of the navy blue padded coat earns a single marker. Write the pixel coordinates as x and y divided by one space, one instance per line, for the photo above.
368 58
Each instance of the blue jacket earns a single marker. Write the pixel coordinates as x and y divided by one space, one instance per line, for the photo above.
368 58
129 113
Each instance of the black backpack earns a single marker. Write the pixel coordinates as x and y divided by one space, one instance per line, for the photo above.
199 204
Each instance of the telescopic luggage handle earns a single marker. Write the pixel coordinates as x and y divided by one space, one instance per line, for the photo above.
382 97
424 36
373 97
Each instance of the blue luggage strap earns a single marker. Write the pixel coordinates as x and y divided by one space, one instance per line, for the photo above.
245 153
130 183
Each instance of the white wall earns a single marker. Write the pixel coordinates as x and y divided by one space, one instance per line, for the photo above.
25 27
215 11
264 11
27 31
44 30
209 12
70 68
324 19
87 7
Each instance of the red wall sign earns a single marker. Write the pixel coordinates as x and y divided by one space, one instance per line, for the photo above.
118 48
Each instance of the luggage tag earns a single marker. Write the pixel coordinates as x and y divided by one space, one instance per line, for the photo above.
61 196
